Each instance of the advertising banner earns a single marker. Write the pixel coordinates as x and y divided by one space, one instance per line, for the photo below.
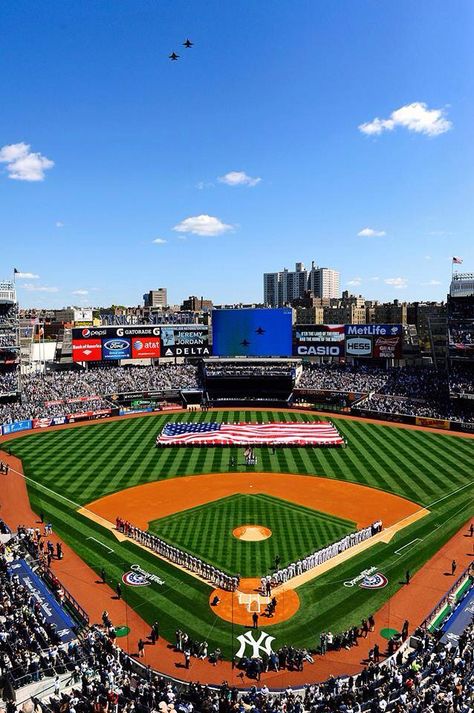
373 330
388 347
146 347
86 350
318 340
433 422
116 348
16 426
185 340
40 594
359 346
252 332
45 422
112 332
89 415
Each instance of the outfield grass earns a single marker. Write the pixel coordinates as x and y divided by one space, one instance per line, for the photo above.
206 532
79 465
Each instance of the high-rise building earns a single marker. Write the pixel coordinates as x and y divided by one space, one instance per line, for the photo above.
281 288
156 298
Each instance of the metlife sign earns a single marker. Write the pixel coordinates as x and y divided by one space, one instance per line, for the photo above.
373 330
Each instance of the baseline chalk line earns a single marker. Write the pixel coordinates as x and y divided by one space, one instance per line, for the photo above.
412 542
100 543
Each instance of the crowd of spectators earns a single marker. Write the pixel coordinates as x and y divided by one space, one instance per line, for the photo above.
461 380
414 391
336 377
441 409
245 369
64 386
426 677
30 646
8 381
409 391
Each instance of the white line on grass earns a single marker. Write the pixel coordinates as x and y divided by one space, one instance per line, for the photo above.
100 543
399 551
458 490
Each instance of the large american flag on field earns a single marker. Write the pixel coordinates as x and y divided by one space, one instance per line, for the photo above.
318 433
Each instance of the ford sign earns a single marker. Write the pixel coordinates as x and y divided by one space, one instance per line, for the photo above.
116 348
116 344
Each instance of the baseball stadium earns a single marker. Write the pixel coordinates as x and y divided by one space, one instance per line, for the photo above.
236 357
249 527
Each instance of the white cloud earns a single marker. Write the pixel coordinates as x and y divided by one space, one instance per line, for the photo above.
159 241
24 164
355 282
432 282
26 276
59 224
414 117
238 178
202 225
371 233
374 279
201 185
39 288
397 282
80 292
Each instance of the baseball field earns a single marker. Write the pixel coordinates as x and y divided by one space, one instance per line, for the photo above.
304 497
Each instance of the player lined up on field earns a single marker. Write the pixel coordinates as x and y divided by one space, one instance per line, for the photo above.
177 556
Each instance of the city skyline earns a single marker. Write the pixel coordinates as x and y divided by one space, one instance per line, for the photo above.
121 171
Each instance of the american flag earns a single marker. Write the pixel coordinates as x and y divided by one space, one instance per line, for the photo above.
457 260
318 433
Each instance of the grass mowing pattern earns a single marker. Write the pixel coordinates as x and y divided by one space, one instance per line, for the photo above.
206 532
84 463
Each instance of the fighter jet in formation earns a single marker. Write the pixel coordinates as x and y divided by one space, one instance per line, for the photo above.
173 56
260 330
245 343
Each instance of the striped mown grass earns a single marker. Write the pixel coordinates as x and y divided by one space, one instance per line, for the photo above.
206 532
79 465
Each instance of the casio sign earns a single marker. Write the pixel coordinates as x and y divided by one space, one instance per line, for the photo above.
358 346
318 351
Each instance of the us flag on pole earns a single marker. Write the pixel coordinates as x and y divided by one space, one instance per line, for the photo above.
318 433
457 260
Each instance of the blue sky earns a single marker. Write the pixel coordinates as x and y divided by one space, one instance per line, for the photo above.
285 92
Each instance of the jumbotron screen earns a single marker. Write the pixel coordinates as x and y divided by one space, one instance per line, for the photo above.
252 332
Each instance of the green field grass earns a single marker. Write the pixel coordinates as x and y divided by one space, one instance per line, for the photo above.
206 532
72 467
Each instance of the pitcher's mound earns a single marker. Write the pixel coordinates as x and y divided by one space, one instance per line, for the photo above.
252 533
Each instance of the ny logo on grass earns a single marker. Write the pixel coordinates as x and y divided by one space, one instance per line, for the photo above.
263 643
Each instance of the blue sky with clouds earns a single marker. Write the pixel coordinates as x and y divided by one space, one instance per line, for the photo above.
289 129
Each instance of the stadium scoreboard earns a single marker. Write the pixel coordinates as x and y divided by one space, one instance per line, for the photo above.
139 342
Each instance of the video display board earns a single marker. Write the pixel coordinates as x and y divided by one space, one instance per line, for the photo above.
251 332
381 341
139 342
318 340
180 340
113 343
